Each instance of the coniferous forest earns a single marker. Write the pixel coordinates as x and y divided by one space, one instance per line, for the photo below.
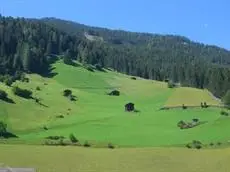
27 45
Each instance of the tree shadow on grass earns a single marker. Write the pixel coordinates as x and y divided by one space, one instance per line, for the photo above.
8 135
9 100
48 73
38 101
72 63
43 104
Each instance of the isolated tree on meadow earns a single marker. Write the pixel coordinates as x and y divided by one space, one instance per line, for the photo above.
67 93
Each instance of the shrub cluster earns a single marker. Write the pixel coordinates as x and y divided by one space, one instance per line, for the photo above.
111 146
73 139
60 116
204 105
133 78
59 140
22 92
10 79
62 141
185 125
68 93
55 137
114 93
194 145
86 144
224 113
171 84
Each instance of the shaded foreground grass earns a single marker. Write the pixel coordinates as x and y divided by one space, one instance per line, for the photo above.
74 159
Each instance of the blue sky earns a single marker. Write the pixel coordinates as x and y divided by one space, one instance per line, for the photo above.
205 21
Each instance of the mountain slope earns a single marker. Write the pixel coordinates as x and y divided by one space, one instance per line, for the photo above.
26 45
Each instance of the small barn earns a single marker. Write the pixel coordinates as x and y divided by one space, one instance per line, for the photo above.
114 93
129 107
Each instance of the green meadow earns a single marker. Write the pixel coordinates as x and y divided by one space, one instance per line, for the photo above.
148 140
101 119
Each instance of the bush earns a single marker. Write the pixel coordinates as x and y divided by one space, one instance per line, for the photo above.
38 88
55 137
166 80
61 142
201 105
171 84
72 98
219 143
184 107
3 95
224 113
195 120
181 124
47 142
211 144
86 144
205 105
198 146
114 93
45 127
59 116
188 146
196 142
133 78
73 139
67 93
110 146
37 100
22 92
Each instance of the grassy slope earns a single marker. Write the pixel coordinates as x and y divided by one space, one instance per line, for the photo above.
98 117
190 96
46 159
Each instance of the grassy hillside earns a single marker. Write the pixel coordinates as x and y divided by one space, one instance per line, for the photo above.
100 118
79 159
